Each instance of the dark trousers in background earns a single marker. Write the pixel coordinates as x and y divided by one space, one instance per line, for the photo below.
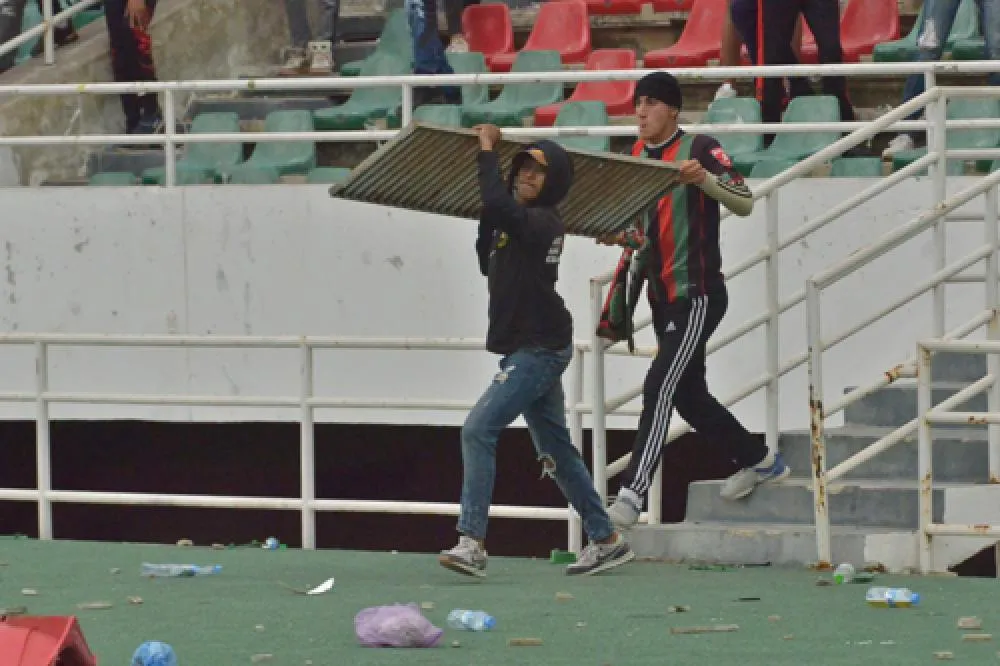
132 60
11 16
778 25
453 11
676 380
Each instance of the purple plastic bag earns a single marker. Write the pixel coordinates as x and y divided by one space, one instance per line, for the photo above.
399 625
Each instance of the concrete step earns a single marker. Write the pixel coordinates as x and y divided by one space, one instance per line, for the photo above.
857 503
958 367
897 404
959 454
751 544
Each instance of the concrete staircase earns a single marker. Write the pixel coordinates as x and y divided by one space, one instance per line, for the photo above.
873 510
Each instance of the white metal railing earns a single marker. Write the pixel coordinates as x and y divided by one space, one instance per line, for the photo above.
935 220
306 401
46 29
169 90
929 415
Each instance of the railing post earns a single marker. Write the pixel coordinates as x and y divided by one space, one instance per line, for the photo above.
924 472
307 446
598 427
48 38
937 143
43 442
170 148
407 105
816 426
773 327
574 538
992 274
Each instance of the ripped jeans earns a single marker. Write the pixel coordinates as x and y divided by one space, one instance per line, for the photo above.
939 17
530 384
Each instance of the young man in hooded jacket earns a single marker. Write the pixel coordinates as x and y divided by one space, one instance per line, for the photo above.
687 295
519 246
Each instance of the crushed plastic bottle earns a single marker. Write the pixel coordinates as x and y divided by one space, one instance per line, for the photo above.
470 620
178 570
844 573
891 597
154 653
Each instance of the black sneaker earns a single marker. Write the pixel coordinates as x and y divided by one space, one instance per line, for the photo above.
598 557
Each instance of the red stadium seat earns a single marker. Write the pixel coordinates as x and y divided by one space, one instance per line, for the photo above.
672 5
487 29
700 41
618 7
616 95
559 26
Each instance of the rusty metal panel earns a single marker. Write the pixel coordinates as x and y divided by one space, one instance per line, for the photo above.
433 169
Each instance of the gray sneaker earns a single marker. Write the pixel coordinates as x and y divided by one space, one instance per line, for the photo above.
468 558
623 513
769 470
598 557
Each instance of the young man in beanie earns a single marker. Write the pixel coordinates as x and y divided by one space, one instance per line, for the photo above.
519 246
678 245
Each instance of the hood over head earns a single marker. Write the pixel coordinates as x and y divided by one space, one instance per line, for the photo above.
558 171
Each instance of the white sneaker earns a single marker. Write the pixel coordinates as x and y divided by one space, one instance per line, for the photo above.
624 513
769 470
725 91
468 558
296 62
900 143
321 54
458 45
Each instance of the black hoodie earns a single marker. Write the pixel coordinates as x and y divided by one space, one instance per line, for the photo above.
519 247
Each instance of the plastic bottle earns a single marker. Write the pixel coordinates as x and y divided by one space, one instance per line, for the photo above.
891 597
178 570
844 574
470 620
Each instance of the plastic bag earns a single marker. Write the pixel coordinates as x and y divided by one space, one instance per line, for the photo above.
398 625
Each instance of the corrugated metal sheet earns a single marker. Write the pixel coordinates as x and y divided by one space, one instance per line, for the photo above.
433 169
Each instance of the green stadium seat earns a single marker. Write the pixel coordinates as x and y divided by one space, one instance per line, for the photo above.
768 168
734 111
856 167
328 175
368 104
518 101
583 114
395 40
445 115
284 157
113 179
901 50
255 175
206 159
32 17
797 145
971 139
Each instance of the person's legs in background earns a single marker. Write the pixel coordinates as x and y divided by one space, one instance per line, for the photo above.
11 17
132 60
777 32
453 12
729 54
309 53
939 17
823 17
64 32
428 52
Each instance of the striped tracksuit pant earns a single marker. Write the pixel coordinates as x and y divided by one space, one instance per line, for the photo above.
676 379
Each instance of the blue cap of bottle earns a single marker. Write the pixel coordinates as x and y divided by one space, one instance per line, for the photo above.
490 622
154 653
915 599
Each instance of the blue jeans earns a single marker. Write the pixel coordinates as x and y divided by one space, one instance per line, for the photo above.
298 22
428 52
530 384
941 15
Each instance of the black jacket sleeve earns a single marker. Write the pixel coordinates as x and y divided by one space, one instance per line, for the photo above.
483 245
502 211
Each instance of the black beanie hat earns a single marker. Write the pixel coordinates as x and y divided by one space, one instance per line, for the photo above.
662 86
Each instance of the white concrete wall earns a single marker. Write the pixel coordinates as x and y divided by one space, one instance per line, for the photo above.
290 260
